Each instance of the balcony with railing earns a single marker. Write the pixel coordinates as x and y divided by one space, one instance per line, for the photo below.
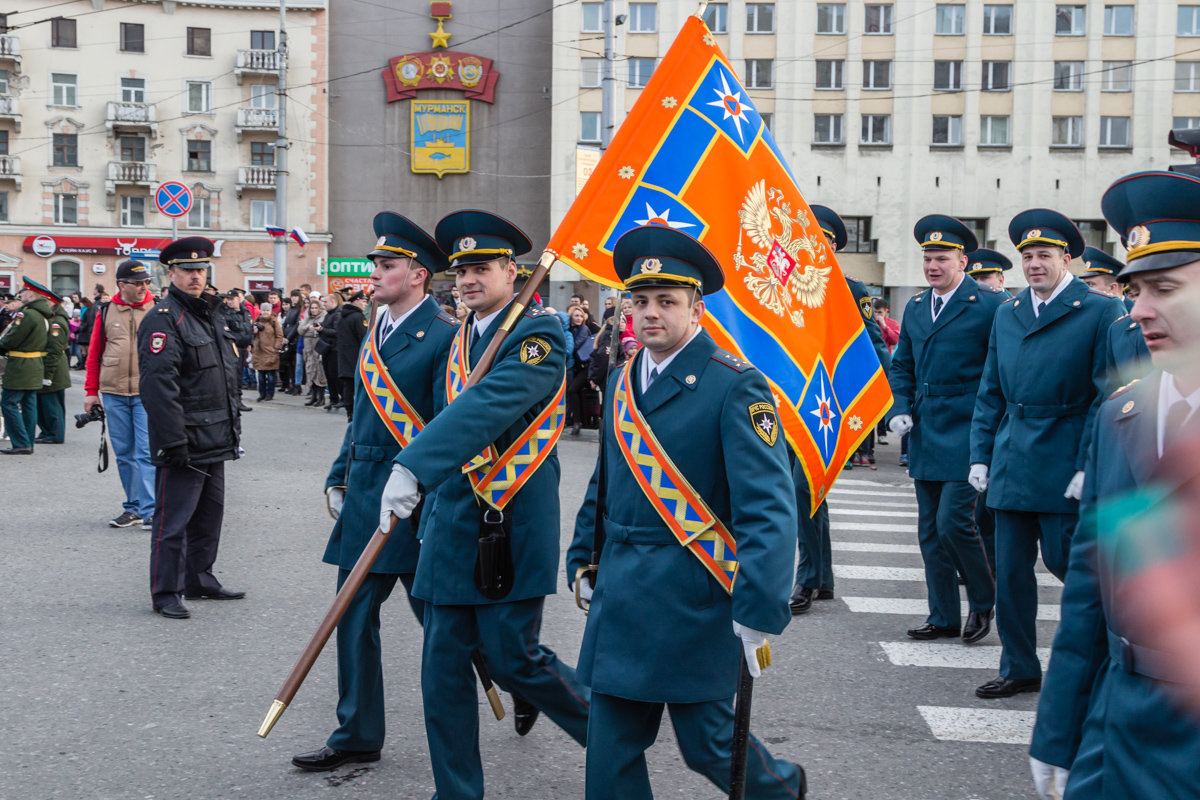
10 110
255 177
10 169
10 49
256 120
258 62
127 116
130 173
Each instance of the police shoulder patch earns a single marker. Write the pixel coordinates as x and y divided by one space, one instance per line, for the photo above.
534 350
158 340
766 424
867 306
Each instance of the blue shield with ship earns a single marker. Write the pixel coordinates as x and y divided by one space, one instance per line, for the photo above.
441 136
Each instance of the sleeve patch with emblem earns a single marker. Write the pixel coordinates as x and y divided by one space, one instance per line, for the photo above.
868 307
534 350
766 425
157 342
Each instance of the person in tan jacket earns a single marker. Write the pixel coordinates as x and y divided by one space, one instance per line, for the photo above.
264 353
111 383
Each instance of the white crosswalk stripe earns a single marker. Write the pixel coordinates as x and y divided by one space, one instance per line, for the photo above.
954 655
843 502
877 527
838 493
979 724
860 572
868 512
875 547
920 607
873 484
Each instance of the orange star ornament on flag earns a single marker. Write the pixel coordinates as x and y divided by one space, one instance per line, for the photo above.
694 154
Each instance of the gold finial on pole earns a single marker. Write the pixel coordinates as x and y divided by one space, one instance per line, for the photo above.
703 7
277 707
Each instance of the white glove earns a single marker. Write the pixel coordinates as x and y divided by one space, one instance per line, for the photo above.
585 589
978 478
335 498
1075 487
751 641
400 495
900 424
1050 781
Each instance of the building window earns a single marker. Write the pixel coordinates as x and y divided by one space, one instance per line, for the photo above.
591 72
262 40
133 212
997 76
947 130
133 90
1188 23
643 17
4 22
830 74
133 37
640 70
760 18
132 148
1066 132
716 17
262 95
199 155
3 82
199 41
1187 76
877 75
1185 122
64 277
262 213
591 21
3 143
1070 20
949 21
200 214
199 97
63 89
876 129
879 19
768 121
589 126
827 129
66 209
1118 76
62 32
994 131
997 20
947 76
1118 20
1068 76
3 206
759 73
858 235
66 150
262 154
831 18
1114 132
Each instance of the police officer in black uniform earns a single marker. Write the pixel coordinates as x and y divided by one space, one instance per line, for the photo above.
189 367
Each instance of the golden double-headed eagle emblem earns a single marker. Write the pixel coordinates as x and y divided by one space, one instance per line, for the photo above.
781 280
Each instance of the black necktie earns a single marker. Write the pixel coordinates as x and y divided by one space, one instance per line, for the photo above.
653 375
474 334
937 306
1041 307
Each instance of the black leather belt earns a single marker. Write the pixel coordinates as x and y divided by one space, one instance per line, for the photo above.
1023 411
949 389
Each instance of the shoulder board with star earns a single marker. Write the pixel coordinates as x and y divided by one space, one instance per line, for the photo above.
1120 320
1009 300
989 289
442 316
730 360
1125 388
1100 294
535 311
919 296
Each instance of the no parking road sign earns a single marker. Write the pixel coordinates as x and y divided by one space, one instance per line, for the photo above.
173 199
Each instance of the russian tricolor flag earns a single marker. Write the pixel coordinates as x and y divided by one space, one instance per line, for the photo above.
300 236
274 231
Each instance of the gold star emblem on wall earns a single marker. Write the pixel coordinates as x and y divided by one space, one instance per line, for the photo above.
441 12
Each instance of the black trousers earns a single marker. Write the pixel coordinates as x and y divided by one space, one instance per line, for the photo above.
348 395
576 388
189 504
329 363
287 369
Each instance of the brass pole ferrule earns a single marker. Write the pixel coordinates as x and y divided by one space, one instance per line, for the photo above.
494 699
277 707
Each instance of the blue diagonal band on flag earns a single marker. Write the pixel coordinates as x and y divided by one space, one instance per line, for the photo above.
679 153
722 100
650 204
821 413
758 346
770 141
855 368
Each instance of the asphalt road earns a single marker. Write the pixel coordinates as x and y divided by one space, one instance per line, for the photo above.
101 698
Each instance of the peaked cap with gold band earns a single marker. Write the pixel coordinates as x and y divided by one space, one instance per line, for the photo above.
1098 262
1045 227
399 237
473 237
985 260
37 288
655 255
942 232
1158 217
193 252
831 225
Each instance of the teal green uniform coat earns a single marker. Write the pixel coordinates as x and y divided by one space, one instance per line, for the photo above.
935 375
56 366
660 628
1041 385
1127 358
415 355
497 409
27 333
1122 734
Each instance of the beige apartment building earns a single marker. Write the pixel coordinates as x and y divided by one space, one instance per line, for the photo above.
890 111
102 101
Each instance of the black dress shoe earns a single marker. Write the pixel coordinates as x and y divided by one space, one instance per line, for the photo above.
1007 687
801 600
825 594
173 609
928 631
244 408
44 440
17 451
524 715
327 758
979 624
803 783
220 593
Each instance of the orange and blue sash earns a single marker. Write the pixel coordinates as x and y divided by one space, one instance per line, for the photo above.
681 507
393 408
496 478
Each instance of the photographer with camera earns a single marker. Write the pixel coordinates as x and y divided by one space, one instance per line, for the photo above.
111 384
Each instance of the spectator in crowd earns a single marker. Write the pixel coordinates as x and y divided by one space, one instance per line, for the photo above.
580 341
268 338
83 335
888 327
290 322
276 303
73 352
351 328
327 347
239 322
111 382
461 311
314 373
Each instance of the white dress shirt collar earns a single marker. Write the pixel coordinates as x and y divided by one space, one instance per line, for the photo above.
1058 289
389 325
1168 395
648 362
933 295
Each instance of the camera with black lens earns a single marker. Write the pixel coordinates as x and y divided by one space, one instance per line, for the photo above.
95 415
